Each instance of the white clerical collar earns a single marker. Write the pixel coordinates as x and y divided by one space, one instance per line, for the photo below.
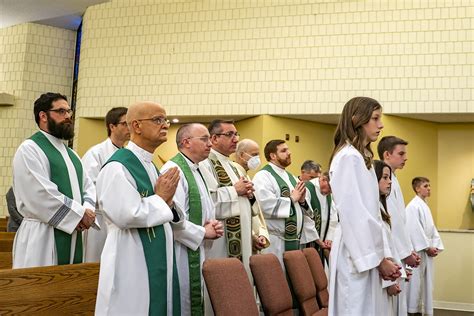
193 166
54 139
145 155
278 169
219 155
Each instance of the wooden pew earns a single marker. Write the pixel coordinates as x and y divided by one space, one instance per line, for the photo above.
6 245
53 290
3 224
6 260
7 235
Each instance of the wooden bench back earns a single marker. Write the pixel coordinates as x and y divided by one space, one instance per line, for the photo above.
7 235
3 224
6 260
6 245
53 290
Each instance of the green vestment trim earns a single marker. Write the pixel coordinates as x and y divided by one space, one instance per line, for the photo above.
60 176
292 240
153 242
316 205
195 217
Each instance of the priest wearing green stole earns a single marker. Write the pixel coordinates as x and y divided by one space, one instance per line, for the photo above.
325 215
53 194
138 273
200 226
284 201
231 194
247 158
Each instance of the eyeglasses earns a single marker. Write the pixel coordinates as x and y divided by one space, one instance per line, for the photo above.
61 112
157 120
123 123
228 134
204 139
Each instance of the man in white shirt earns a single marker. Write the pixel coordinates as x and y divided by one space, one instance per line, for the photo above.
247 158
138 273
200 226
53 193
327 213
393 151
231 194
93 160
428 245
284 201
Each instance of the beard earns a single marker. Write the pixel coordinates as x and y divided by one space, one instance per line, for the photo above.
63 130
284 162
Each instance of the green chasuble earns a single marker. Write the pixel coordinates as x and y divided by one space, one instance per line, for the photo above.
60 177
153 242
195 217
292 238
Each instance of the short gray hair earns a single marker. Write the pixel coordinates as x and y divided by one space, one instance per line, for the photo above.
310 165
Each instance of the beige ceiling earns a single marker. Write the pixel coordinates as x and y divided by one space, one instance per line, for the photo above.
65 13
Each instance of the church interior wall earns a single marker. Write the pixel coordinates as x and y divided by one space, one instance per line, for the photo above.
34 59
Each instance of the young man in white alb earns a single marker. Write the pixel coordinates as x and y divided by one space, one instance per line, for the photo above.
427 243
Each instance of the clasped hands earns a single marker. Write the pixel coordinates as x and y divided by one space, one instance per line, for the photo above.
87 220
244 187
389 270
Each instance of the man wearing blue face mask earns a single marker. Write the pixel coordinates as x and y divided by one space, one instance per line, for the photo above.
247 158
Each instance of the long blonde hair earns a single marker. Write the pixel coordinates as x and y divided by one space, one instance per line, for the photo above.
357 112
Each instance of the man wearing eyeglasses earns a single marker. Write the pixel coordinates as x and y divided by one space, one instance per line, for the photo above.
231 193
93 160
200 225
53 193
247 158
137 271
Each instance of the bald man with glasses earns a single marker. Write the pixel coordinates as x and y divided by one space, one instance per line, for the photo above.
138 273
53 193
200 226
232 194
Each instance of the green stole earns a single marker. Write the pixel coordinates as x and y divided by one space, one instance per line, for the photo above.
60 177
195 217
292 240
231 224
154 244
316 206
